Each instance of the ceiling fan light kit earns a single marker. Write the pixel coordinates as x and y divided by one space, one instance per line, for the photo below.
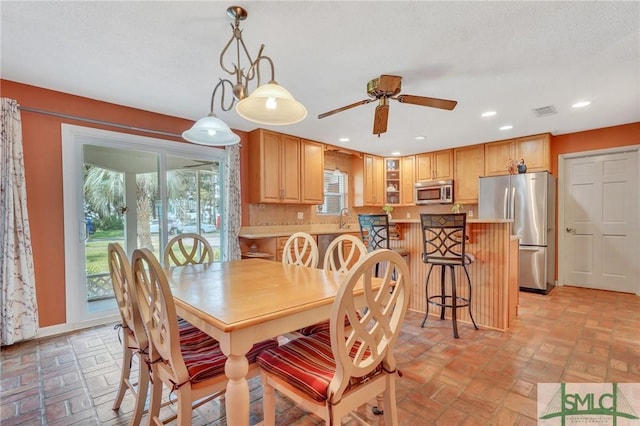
269 104
388 87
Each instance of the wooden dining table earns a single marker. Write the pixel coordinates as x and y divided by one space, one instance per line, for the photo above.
242 302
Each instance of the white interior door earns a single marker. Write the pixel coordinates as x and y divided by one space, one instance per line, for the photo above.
599 235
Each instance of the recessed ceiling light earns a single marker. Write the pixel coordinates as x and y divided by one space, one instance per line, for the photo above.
488 113
420 138
344 139
507 127
396 153
581 104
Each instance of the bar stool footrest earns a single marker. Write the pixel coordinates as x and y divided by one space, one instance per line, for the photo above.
464 302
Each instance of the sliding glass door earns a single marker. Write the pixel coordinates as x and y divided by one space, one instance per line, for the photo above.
138 192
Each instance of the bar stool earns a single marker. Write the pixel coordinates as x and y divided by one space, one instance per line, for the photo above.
374 230
444 245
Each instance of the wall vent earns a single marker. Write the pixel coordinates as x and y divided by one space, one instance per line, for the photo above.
545 110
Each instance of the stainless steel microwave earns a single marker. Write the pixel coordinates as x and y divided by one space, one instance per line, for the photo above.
434 192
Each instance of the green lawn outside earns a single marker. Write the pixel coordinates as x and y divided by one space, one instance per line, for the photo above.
96 249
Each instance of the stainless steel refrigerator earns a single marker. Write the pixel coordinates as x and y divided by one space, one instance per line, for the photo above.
530 200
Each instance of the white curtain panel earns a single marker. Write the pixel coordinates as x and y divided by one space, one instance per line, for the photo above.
18 307
232 217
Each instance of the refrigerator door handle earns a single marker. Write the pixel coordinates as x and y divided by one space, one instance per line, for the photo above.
505 210
513 203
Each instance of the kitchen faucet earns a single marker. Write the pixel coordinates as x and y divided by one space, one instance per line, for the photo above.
343 212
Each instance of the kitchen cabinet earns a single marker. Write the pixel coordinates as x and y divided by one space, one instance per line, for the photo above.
282 241
497 156
392 181
533 149
468 167
368 181
311 172
275 167
437 165
535 152
407 180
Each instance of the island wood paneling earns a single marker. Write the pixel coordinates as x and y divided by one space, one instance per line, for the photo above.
493 274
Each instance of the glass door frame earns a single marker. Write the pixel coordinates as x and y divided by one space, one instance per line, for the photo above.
74 138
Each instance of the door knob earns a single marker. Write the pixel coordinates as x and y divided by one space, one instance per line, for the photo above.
571 230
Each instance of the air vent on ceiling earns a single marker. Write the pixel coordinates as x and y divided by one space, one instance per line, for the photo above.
544 111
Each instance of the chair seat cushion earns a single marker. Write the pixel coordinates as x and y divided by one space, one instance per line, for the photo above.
322 326
202 354
468 259
306 363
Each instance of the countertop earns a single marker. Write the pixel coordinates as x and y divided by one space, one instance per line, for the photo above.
256 232
286 230
417 220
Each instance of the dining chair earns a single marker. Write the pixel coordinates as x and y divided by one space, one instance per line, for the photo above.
444 239
301 249
341 255
134 337
187 249
331 373
190 364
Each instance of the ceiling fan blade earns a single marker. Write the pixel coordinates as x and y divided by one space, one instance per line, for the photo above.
428 102
344 108
380 119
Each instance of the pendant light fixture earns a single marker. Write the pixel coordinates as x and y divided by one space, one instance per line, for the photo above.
269 104
210 130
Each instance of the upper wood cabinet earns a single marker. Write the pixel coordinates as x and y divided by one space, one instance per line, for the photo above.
392 180
408 179
368 181
399 173
274 167
533 149
435 165
535 152
497 156
312 172
469 166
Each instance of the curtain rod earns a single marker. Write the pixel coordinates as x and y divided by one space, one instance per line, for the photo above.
93 121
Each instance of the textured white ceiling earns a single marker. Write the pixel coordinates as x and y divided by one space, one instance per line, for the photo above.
511 57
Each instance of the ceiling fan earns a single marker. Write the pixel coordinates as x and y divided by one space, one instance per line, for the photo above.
387 87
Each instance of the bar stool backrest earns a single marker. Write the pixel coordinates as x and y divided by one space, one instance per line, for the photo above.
374 230
444 238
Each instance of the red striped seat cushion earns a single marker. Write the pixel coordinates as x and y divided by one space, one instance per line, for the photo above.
306 363
322 326
202 354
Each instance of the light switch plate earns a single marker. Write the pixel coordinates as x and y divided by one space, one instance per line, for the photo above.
300 215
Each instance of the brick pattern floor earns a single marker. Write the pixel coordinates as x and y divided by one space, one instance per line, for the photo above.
485 377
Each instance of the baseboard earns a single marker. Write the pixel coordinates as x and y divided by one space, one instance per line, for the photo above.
58 329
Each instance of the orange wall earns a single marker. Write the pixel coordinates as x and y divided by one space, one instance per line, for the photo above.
43 169
608 137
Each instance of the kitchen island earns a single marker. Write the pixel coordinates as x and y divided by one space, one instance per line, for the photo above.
494 274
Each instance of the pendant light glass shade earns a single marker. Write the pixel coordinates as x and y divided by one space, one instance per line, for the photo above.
271 104
210 130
